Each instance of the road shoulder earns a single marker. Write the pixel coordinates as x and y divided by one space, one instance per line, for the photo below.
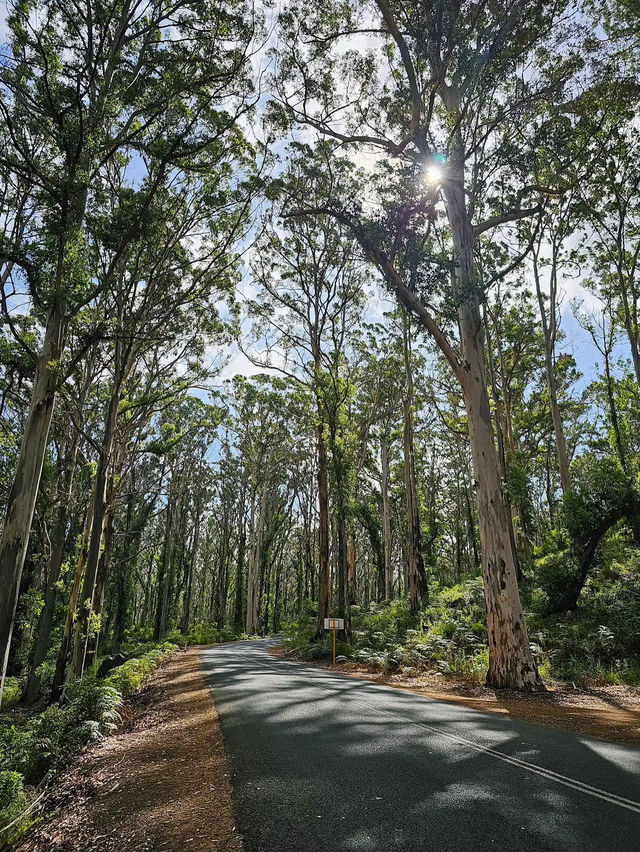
160 783
608 713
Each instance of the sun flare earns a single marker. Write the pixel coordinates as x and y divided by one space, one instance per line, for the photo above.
434 174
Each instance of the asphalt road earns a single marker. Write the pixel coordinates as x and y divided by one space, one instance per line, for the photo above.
324 762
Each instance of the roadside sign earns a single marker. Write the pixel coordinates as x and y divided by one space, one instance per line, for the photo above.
334 624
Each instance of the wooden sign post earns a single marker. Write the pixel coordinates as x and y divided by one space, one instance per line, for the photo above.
334 624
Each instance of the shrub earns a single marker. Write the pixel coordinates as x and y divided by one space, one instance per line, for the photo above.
48 741
203 633
322 649
96 702
35 748
556 566
128 677
228 634
13 801
11 693
450 635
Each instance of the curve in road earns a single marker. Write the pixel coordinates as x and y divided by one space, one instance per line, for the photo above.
324 762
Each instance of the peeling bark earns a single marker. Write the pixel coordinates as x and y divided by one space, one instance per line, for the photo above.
511 663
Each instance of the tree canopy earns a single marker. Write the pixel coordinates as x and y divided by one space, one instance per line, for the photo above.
328 311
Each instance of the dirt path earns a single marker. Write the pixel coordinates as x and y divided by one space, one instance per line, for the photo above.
610 713
161 783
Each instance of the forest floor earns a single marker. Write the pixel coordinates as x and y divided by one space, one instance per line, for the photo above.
608 712
162 782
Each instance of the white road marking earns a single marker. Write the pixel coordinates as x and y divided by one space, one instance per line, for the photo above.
573 783
598 793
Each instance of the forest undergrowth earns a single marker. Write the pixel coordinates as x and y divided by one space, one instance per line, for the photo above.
596 644
37 743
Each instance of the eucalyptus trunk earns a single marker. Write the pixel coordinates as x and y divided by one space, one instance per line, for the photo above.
324 575
501 431
511 663
24 489
166 567
324 578
65 646
239 590
629 303
91 643
353 591
253 575
58 545
191 564
417 577
386 520
549 333
100 503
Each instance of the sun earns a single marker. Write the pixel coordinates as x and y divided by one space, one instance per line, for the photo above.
434 174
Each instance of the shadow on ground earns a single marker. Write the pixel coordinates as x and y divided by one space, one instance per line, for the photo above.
322 761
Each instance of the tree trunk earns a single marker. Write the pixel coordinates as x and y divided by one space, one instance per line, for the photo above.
628 294
186 611
549 332
324 577
418 590
309 570
122 564
340 521
276 597
100 508
386 520
253 576
471 527
126 564
24 490
344 609
353 597
32 689
265 594
164 575
104 566
61 664
613 411
511 663
239 595
500 421
219 602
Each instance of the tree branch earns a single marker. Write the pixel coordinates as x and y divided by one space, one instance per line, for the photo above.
393 278
510 216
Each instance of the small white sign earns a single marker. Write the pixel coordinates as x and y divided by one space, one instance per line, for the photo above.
330 623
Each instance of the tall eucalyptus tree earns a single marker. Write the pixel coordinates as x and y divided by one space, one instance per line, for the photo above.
83 89
462 79
309 300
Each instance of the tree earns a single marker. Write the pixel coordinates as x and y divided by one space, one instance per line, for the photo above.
80 95
309 300
557 231
453 104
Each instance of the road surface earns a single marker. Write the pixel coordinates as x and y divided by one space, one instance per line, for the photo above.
321 761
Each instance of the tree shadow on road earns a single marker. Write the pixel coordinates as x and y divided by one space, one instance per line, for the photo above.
322 761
